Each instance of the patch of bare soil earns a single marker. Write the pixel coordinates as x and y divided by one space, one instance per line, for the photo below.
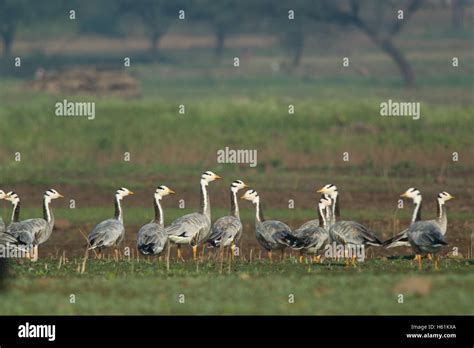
91 80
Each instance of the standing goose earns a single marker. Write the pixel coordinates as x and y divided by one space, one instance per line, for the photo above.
428 236
347 232
38 230
152 237
314 233
194 228
3 195
401 239
271 234
227 230
20 237
110 232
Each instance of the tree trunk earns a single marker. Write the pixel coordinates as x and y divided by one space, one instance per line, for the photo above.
7 38
457 14
397 56
219 47
299 46
402 63
155 42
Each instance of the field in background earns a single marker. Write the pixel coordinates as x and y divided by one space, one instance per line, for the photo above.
336 111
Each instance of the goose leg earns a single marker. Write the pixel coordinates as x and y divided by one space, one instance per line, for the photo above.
418 258
430 256
270 256
178 250
301 257
436 259
195 252
353 260
282 251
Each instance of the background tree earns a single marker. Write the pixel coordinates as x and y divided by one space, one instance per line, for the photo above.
225 17
12 14
360 14
155 15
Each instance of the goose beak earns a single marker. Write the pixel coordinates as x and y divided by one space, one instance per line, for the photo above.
60 195
171 191
242 197
217 177
246 186
321 190
451 197
404 194
131 193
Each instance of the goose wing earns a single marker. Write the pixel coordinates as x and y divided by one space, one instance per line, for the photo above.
151 239
312 235
224 231
27 229
105 234
281 233
351 232
190 228
426 235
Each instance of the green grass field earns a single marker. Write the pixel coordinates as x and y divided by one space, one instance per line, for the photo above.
108 287
336 111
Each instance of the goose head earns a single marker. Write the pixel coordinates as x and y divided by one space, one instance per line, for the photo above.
413 193
444 197
238 185
252 196
12 197
162 191
123 192
208 177
330 190
51 194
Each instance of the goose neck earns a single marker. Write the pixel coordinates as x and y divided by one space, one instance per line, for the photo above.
234 205
158 211
118 208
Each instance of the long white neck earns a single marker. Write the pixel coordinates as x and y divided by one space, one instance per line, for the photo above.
322 215
47 214
335 207
118 208
417 211
234 205
442 216
158 211
258 210
205 205
16 211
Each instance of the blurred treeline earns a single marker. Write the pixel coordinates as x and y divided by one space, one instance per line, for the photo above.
292 21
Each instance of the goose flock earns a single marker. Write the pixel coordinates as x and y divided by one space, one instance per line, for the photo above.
313 238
